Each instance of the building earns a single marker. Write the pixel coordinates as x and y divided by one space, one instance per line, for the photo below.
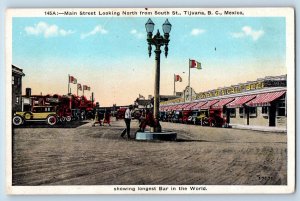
17 74
257 103
142 103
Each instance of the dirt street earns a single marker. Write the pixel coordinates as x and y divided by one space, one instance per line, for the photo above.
87 155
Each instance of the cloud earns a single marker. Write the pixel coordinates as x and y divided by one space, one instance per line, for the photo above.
137 34
196 32
42 28
98 29
248 31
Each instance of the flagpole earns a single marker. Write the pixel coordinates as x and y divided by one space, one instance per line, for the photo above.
174 86
68 84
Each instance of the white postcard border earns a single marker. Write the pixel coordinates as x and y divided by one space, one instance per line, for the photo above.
210 189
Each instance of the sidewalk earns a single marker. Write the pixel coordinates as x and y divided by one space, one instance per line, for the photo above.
259 128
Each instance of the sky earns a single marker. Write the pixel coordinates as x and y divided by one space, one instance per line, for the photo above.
110 54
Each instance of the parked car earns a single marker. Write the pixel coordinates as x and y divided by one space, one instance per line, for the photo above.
193 117
215 119
185 116
121 112
177 117
197 118
163 116
38 113
170 116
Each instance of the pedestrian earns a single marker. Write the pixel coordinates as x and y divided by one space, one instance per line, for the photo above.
96 119
127 122
106 117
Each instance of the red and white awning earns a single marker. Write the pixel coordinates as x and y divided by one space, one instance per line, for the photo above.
265 98
170 107
208 104
221 103
178 107
164 107
198 105
239 101
188 106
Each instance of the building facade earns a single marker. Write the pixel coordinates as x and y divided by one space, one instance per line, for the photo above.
256 103
17 74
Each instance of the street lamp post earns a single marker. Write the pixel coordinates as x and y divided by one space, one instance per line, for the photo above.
157 41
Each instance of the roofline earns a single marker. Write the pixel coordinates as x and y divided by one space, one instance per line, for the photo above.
253 92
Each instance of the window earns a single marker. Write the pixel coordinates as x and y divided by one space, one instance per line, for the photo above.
241 112
264 110
281 108
252 112
232 112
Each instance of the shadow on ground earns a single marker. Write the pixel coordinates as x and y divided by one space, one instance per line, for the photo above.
72 124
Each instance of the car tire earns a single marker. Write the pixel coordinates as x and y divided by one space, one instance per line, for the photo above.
51 120
17 120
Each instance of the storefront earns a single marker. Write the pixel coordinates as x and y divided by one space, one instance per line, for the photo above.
257 103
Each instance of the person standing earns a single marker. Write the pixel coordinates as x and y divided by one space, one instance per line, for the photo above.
106 117
127 122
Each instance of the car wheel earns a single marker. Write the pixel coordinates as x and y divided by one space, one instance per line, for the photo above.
27 115
17 120
51 120
68 118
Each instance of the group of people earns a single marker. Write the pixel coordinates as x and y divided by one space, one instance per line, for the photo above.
145 119
102 117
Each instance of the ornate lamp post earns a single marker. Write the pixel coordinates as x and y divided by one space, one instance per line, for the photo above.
157 41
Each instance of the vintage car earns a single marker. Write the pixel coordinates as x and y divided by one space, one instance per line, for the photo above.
197 117
38 113
163 116
121 112
185 116
177 117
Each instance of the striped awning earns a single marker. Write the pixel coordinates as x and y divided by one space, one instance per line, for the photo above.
181 106
265 99
198 105
178 107
164 107
170 107
221 103
208 104
188 106
239 101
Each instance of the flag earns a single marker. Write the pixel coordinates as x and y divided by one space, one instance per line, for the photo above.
87 88
177 78
195 64
79 87
72 79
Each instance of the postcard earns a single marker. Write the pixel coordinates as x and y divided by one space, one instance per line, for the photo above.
150 101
